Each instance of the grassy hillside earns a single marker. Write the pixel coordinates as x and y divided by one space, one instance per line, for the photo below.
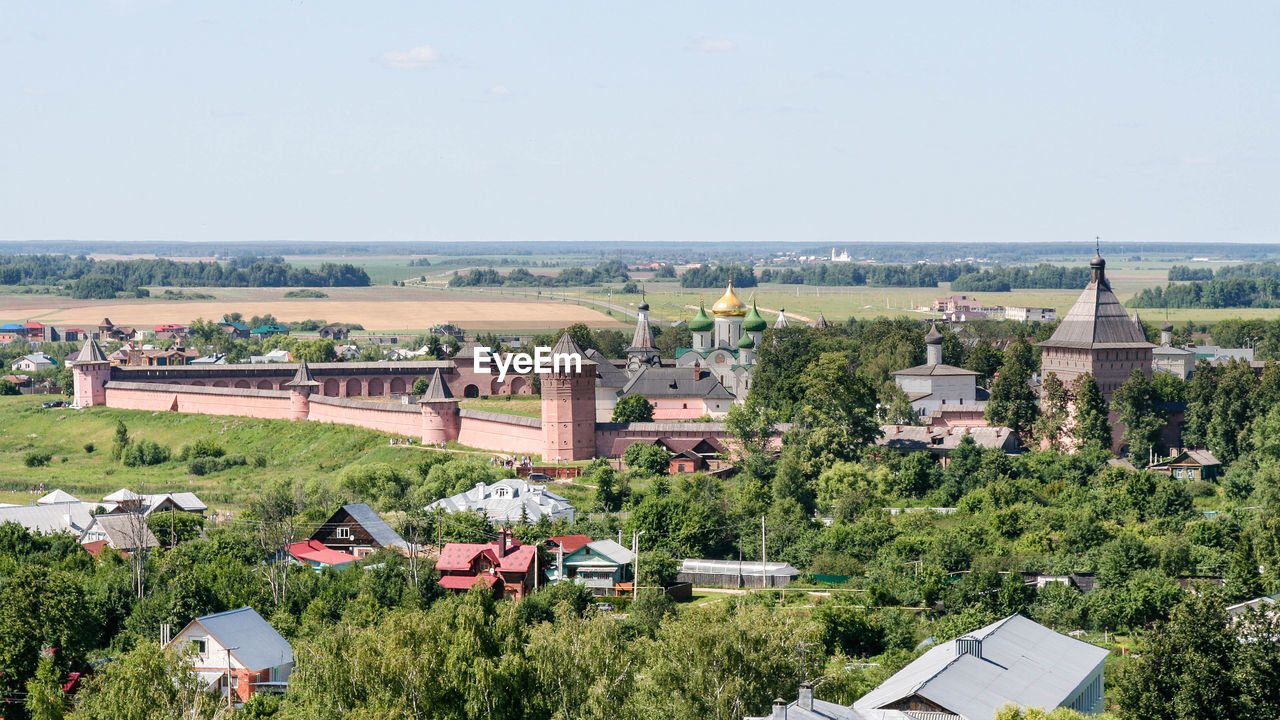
294 450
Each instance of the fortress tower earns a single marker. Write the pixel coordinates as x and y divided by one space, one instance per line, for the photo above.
440 419
90 372
569 407
300 389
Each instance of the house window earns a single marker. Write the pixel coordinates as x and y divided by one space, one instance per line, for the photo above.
344 533
501 492
199 645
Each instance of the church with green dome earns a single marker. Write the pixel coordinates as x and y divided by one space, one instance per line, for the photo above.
725 342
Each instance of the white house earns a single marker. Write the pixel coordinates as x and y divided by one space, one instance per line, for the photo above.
510 501
1030 314
238 652
934 384
35 362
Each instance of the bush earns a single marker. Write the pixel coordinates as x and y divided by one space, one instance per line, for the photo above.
144 453
88 448
37 458
203 448
206 465
258 461
1201 489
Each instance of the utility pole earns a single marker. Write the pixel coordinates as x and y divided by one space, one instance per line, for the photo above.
229 649
764 557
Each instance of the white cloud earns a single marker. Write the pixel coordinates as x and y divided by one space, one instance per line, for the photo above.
423 56
499 90
711 45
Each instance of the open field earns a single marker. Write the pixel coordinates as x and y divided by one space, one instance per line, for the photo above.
526 406
294 451
376 308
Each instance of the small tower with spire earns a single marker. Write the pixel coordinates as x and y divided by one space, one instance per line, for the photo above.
300 389
440 419
933 346
642 349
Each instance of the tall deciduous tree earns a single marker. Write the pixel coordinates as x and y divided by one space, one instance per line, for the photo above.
1138 406
1051 425
1013 403
1090 418
633 408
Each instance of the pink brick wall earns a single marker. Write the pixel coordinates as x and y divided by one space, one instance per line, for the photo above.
388 420
500 437
173 398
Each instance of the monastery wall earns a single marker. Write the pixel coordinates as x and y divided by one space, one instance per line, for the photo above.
500 433
384 416
271 404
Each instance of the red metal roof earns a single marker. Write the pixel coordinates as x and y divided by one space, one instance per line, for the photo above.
460 556
314 551
569 542
33 325
518 560
465 582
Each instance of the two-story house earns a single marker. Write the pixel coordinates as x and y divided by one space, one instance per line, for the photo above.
237 653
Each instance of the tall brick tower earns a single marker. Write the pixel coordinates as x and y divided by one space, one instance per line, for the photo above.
569 406
90 372
440 419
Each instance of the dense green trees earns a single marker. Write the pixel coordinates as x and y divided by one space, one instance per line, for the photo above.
1089 419
1137 402
1013 403
633 408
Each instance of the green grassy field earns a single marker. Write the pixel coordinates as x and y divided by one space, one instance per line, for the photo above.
294 451
526 406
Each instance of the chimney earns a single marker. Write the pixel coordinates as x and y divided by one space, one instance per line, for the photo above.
779 709
805 702
502 542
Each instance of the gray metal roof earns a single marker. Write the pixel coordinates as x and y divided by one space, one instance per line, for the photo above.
303 377
48 519
607 374
90 353
438 390
509 500
1097 320
653 382
1022 662
939 369
124 532
56 497
643 337
256 643
373 524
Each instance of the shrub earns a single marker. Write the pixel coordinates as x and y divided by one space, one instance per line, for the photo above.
144 453
37 458
1200 488
206 465
203 448
259 461
88 448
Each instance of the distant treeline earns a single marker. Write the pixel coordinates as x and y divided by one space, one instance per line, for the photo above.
917 275
1041 277
1216 293
1248 270
88 278
718 276
608 271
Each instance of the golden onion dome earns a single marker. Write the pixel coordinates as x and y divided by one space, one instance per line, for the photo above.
729 305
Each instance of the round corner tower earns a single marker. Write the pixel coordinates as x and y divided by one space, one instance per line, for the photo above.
90 372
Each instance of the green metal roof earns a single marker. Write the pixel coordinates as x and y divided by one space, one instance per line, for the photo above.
701 322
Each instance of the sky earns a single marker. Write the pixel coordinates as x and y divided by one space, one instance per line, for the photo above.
832 122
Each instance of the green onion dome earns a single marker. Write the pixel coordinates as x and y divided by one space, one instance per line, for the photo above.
701 322
753 322
745 342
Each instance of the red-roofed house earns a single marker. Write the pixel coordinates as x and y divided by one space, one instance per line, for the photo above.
313 553
504 565
569 543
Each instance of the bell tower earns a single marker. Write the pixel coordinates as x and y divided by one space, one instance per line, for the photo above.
569 405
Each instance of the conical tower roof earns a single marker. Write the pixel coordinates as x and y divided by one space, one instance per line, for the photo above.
1098 320
437 390
642 340
822 322
302 378
567 345
782 320
90 353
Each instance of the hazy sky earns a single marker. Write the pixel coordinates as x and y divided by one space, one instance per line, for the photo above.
832 122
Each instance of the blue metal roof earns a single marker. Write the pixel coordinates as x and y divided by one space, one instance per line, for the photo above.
255 642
